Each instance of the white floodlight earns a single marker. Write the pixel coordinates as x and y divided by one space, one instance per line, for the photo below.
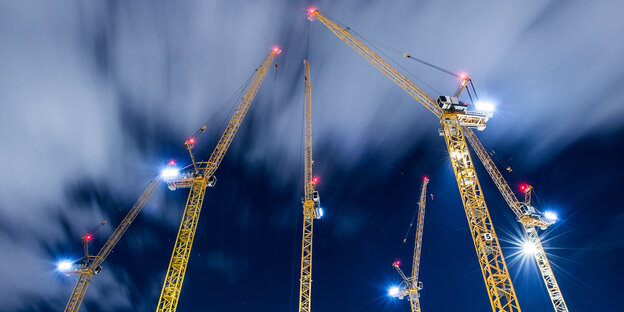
393 291
485 106
321 212
170 172
529 248
64 266
550 215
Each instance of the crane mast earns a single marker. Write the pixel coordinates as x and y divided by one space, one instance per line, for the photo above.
454 120
528 216
201 177
311 201
412 285
92 264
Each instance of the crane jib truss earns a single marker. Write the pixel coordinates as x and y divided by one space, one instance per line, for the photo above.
489 254
311 201
530 222
93 264
197 181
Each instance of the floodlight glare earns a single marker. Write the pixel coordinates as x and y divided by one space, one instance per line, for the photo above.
393 291
485 106
170 172
321 212
64 265
550 215
529 248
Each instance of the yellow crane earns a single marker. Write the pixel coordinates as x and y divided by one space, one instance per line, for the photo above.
455 119
93 264
200 177
311 202
411 286
528 216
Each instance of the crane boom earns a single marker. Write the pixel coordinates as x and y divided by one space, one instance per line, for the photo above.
419 230
454 120
411 286
197 182
528 216
93 264
311 201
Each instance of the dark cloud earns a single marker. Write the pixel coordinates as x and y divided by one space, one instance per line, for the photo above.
96 97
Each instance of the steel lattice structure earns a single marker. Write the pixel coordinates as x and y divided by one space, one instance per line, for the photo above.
489 254
92 264
201 177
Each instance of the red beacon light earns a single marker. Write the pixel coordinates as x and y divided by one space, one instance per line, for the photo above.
315 180
276 50
397 263
311 10
426 178
88 237
172 162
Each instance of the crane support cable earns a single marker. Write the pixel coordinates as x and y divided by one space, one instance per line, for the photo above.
381 64
79 291
174 278
489 253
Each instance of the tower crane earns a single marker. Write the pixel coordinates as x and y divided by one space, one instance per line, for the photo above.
200 177
311 202
455 118
411 286
93 264
528 216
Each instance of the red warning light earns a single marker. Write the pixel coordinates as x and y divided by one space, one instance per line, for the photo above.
311 10
172 162
463 76
276 50
88 237
525 188
426 178
397 263
190 141
315 180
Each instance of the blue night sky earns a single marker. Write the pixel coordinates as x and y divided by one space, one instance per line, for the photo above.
97 96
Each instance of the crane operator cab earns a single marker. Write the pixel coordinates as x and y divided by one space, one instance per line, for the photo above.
530 211
451 103
317 204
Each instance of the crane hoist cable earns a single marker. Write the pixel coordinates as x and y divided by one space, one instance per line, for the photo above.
93 264
455 118
410 286
198 179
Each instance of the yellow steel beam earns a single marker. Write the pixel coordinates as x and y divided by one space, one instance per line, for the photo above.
92 263
172 286
529 223
493 267
309 211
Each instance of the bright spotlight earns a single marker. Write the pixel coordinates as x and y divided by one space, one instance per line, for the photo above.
393 291
550 215
64 266
170 172
485 106
321 212
529 248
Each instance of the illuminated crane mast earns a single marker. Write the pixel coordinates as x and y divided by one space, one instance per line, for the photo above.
202 176
311 202
528 216
92 264
411 286
455 118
